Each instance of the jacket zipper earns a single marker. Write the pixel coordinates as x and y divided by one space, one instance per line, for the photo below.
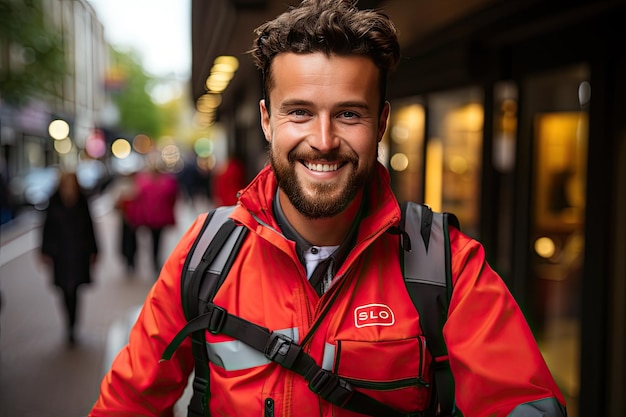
269 407
387 386
323 313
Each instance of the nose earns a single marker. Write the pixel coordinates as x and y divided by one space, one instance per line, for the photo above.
324 138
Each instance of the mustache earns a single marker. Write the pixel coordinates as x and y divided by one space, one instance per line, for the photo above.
334 155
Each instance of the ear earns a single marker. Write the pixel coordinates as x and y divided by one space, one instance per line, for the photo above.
382 121
265 121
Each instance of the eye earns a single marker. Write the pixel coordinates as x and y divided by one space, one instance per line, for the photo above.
298 113
349 115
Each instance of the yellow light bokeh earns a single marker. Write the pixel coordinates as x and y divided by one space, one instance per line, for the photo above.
545 247
399 162
59 129
208 102
228 60
63 146
222 73
216 85
121 148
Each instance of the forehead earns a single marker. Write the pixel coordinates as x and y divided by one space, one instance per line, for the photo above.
317 73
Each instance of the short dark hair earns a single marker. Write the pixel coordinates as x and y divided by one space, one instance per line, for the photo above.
332 27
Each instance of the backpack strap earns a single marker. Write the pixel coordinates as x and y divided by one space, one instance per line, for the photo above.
281 349
204 271
210 254
428 277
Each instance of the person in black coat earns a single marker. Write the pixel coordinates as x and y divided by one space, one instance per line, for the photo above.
69 244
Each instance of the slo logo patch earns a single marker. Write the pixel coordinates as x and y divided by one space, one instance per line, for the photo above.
373 315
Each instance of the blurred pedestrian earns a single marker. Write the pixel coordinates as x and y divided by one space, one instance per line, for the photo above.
124 194
69 245
228 180
155 201
195 181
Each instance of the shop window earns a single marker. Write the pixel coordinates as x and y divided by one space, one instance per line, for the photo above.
402 150
453 155
557 106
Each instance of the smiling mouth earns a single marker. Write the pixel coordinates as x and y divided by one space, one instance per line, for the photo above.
317 167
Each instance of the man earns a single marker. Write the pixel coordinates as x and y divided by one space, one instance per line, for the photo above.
325 196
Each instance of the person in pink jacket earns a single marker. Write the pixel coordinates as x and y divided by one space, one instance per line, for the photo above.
156 194
325 204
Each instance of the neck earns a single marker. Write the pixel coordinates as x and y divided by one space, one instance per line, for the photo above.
329 231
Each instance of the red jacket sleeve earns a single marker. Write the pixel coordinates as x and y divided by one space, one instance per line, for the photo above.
493 354
138 383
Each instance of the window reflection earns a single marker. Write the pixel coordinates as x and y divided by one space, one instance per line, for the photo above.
453 165
405 139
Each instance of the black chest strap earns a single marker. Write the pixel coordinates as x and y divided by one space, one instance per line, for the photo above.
288 354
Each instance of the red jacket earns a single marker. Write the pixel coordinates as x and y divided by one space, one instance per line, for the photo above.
228 181
495 360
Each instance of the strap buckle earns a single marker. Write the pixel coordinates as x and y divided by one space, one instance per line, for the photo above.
282 350
217 319
331 388
200 384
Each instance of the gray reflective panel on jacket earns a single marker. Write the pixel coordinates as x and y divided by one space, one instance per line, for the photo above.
329 357
547 407
236 355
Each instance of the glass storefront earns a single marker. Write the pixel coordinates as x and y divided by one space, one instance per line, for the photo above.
557 104
436 141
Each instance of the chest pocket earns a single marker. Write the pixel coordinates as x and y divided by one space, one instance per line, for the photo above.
394 372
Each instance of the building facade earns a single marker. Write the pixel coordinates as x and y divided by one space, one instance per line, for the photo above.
77 98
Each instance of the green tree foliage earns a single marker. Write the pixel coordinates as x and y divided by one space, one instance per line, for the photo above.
128 87
32 60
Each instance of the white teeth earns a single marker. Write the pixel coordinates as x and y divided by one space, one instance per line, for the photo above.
322 167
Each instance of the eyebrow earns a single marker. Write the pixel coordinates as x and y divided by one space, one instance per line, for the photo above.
307 103
294 103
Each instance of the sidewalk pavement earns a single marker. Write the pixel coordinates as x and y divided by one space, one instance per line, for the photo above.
12 234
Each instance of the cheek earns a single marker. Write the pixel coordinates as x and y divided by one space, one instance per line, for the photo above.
286 136
371 154
365 147
278 146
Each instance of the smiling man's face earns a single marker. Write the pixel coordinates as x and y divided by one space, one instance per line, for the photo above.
323 129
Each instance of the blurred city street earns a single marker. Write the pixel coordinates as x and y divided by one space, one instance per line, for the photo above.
40 374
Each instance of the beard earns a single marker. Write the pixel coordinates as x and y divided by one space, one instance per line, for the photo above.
326 199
